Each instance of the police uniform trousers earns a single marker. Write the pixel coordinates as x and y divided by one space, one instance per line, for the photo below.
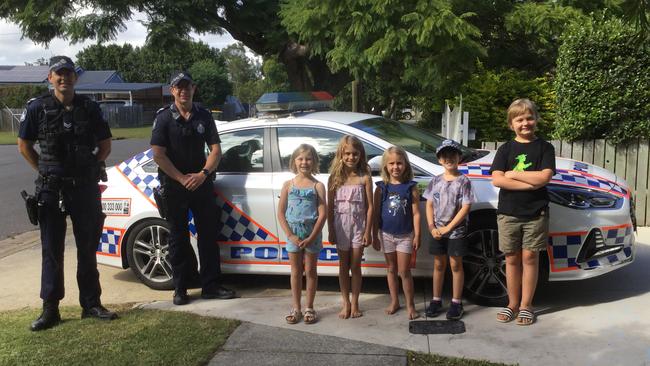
207 220
83 204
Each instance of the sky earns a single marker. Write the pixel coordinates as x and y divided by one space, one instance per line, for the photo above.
14 51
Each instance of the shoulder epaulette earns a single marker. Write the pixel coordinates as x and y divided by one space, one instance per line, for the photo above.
162 109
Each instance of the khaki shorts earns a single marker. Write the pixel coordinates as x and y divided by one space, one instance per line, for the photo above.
517 233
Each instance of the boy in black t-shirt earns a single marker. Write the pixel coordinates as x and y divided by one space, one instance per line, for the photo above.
521 169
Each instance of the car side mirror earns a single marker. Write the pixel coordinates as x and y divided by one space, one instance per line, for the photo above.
375 165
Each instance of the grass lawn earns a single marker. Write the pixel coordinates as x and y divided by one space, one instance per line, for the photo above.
425 359
7 138
138 337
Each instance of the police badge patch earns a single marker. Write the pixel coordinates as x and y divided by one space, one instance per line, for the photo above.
200 129
23 115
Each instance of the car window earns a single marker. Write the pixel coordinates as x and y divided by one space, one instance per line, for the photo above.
243 151
415 140
323 140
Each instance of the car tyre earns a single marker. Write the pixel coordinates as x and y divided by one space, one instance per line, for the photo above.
147 250
407 115
484 264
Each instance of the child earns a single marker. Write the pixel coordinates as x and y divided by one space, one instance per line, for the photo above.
521 169
397 224
350 210
449 197
301 213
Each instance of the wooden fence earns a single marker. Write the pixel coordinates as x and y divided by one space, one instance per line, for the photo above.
629 161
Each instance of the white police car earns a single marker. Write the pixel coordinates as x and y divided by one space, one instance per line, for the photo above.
592 226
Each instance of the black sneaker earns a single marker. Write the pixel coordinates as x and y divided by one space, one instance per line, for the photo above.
455 311
180 297
434 308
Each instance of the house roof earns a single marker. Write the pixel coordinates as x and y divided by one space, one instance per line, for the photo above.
23 74
115 87
103 76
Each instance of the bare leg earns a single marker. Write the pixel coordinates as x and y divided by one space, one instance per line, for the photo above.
513 281
311 260
404 268
344 282
355 265
296 260
458 276
439 266
393 282
530 271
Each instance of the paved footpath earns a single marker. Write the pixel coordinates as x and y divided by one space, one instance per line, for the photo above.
600 321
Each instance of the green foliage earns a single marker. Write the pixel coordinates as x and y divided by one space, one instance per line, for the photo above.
603 84
416 44
147 63
488 94
17 96
213 85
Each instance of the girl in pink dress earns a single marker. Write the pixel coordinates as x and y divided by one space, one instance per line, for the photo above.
349 214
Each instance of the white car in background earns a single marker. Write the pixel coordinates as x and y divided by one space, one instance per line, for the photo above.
592 223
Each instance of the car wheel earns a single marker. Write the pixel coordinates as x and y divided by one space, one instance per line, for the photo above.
147 250
484 264
407 115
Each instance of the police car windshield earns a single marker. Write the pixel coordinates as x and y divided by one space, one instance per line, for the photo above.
413 139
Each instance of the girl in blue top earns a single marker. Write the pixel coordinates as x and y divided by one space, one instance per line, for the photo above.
302 213
397 224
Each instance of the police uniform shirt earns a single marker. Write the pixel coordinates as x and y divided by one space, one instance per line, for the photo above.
33 114
185 140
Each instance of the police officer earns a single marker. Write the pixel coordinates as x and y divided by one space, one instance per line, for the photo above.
74 141
180 134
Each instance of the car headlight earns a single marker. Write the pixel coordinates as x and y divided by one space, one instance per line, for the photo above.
582 198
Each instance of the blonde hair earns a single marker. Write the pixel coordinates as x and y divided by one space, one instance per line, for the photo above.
301 149
338 173
521 106
407 174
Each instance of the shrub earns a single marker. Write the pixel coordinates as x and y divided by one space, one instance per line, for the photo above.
603 83
16 96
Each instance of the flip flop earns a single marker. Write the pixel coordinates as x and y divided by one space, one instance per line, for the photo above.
525 317
507 315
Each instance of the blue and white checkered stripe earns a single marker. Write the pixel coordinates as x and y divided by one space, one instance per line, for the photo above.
614 236
145 182
475 169
570 176
109 241
239 228
565 248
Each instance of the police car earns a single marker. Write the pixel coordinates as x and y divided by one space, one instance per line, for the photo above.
591 211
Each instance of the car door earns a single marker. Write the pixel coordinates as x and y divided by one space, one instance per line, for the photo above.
326 141
248 238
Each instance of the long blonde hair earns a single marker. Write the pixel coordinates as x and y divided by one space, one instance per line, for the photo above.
407 174
338 173
314 156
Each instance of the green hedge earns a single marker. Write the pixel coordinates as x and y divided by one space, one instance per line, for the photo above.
488 94
16 96
603 83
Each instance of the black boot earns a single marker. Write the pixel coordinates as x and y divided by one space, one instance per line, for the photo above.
98 312
49 317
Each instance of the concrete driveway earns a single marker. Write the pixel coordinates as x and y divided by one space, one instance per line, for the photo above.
600 321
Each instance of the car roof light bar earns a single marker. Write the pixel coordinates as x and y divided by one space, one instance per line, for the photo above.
288 102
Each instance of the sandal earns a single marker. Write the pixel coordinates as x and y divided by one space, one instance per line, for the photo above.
310 316
525 317
293 317
506 315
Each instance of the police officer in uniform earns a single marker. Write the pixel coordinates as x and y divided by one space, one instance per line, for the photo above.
74 141
180 133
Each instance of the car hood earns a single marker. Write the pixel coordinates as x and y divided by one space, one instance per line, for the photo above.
568 171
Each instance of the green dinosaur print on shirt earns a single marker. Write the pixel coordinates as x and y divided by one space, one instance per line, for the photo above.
521 163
